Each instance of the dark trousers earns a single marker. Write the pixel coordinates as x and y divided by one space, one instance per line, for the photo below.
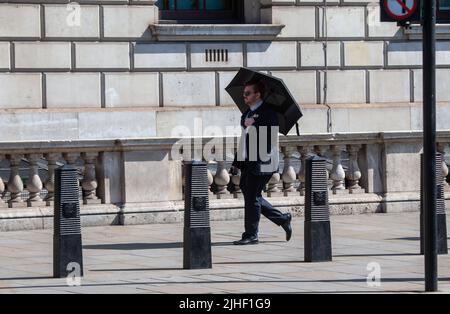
255 205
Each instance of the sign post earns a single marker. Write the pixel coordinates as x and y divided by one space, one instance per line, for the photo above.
404 11
429 145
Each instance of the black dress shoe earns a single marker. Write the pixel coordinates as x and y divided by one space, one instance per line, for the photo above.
287 227
245 241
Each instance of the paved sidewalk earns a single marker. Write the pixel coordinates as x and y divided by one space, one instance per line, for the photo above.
149 259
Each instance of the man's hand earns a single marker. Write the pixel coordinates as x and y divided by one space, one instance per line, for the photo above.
249 122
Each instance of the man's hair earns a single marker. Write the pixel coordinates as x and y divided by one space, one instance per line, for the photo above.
258 86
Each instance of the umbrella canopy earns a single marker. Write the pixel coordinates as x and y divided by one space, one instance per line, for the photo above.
277 96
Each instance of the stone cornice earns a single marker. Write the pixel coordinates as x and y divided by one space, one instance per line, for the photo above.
165 144
208 32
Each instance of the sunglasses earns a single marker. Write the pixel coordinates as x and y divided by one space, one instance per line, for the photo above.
247 94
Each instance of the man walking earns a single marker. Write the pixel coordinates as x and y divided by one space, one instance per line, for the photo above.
257 159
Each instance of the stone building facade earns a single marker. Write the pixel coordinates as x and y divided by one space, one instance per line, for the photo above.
67 67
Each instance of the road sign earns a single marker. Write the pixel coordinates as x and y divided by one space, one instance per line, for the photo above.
400 10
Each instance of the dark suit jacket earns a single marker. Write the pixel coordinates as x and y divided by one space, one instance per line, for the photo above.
264 117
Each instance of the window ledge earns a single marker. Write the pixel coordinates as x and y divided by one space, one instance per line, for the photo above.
415 31
199 32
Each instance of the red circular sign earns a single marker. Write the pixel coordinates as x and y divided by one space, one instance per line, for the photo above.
400 9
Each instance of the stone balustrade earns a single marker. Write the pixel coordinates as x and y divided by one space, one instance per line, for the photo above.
347 155
377 171
31 177
290 180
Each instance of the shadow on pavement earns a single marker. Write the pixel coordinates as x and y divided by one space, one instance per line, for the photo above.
26 278
258 262
408 239
356 280
377 255
154 246
133 269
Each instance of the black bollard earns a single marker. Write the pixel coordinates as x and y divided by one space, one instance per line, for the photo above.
197 230
317 215
67 247
442 247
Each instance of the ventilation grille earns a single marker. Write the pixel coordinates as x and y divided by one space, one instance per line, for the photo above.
216 55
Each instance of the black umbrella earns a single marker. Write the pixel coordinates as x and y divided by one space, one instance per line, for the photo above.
277 96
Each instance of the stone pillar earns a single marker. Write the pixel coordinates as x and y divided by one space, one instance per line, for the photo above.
15 183
2 186
354 173
89 183
50 183
304 151
337 173
149 176
288 176
441 150
34 184
221 179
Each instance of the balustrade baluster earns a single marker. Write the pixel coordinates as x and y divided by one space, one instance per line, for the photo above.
210 181
15 183
221 179
354 172
2 186
288 176
337 173
89 183
34 183
304 151
49 184
441 150
236 180
273 189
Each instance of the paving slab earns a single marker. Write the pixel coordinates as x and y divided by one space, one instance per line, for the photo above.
149 259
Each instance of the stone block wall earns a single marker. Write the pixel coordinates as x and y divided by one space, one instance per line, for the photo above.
63 61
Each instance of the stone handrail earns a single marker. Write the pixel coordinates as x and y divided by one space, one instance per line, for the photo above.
167 143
